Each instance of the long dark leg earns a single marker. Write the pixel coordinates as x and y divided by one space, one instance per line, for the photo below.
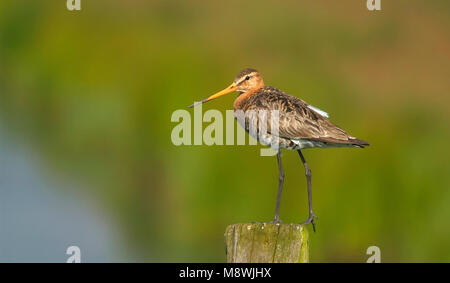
280 187
308 180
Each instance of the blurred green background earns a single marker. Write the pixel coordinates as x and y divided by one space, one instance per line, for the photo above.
90 95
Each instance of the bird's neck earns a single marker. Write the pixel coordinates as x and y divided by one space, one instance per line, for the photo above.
243 97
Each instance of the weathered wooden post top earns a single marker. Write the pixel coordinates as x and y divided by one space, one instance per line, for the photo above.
266 243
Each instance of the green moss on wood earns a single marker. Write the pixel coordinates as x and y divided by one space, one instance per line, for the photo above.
263 242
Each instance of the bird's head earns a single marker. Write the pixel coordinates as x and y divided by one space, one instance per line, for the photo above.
247 80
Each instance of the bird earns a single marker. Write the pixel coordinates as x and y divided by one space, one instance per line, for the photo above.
300 125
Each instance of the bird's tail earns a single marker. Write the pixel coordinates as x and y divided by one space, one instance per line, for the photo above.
359 143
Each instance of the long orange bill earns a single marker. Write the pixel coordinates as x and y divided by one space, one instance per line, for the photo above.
229 89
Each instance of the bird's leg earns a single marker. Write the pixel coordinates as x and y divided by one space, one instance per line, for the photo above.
280 187
308 180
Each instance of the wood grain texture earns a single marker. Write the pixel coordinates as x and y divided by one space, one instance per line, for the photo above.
266 243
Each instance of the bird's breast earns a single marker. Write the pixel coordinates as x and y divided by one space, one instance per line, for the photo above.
241 102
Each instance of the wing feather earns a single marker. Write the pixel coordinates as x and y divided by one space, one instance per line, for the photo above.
297 120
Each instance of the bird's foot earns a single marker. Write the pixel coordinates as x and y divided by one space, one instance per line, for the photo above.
277 220
311 220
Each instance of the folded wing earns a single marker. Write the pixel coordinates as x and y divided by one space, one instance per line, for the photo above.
298 120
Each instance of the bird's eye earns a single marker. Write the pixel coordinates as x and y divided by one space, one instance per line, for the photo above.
247 78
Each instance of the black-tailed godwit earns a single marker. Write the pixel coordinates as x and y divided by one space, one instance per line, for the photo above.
299 125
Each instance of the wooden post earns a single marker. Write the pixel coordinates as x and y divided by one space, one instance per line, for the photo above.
263 242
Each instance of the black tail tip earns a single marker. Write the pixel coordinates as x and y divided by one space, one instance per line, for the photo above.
360 143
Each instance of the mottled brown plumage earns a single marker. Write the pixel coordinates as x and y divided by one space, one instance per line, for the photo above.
296 120
299 125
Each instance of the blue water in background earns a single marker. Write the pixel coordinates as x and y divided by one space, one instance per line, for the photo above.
39 221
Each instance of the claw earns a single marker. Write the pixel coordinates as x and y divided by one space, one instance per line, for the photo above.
310 220
277 220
